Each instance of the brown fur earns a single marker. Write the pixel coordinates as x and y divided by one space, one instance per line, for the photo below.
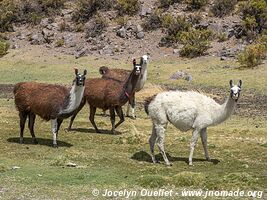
117 74
148 101
45 100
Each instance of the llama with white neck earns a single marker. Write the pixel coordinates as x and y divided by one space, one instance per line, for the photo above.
50 102
187 110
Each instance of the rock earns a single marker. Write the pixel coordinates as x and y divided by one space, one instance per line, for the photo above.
143 11
202 25
188 78
81 52
70 164
45 22
223 57
15 167
48 35
181 75
175 51
36 39
148 11
108 50
140 35
121 32
138 28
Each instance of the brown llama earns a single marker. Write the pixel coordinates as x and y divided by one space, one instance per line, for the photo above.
122 74
108 94
50 102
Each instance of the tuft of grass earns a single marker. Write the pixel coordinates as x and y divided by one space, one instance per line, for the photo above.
187 178
152 181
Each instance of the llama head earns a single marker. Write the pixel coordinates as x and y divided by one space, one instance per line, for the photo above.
144 59
137 68
80 78
235 90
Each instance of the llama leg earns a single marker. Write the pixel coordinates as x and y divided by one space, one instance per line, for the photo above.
22 117
92 118
152 141
112 119
32 117
59 122
76 112
120 114
54 132
192 145
133 106
160 142
203 135
128 109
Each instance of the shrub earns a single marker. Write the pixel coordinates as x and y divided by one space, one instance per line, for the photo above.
254 14
222 37
221 8
4 46
96 27
122 20
7 15
87 8
154 21
167 3
196 42
129 7
195 18
196 4
252 55
60 43
174 27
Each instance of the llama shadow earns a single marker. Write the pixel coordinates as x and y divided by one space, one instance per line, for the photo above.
144 156
41 141
91 130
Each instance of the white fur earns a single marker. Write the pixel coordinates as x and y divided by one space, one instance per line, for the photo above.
186 110
76 95
54 130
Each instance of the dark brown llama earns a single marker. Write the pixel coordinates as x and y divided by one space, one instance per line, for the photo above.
122 74
108 94
50 102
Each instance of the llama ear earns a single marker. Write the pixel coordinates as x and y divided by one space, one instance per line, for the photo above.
84 72
239 83
231 83
134 61
76 71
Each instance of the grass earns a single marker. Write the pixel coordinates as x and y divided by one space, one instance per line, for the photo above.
105 161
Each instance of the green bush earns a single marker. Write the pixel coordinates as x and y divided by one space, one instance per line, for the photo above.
87 8
122 20
167 3
222 37
196 4
60 43
174 27
221 8
196 42
4 46
254 14
252 55
8 15
195 18
129 7
154 21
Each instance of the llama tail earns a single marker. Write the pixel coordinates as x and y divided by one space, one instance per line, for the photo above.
103 70
147 102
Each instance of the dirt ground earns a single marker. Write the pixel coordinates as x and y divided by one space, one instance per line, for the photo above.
250 105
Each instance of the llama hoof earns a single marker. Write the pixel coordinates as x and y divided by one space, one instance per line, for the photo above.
55 146
191 164
208 159
169 164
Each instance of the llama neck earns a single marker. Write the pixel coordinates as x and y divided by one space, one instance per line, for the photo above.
75 97
225 111
142 78
130 84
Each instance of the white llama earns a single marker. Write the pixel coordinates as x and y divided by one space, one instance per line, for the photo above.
187 110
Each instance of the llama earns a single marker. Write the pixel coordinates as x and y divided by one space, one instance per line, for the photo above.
187 110
108 94
50 102
122 74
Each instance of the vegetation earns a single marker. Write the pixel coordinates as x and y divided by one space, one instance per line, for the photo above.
222 37
106 161
254 14
4 46
221 8
129 7
154 21
87 8
252 55
196 4
174 27
7 15
167 3
196 42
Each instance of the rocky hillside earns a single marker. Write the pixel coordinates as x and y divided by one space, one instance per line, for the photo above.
133 27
